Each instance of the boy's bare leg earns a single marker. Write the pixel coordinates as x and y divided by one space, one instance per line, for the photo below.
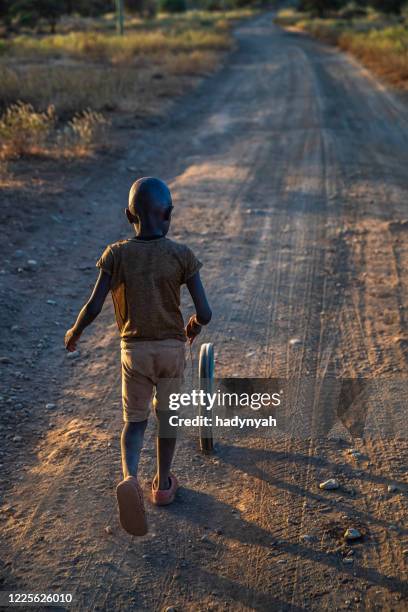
165 448
131 444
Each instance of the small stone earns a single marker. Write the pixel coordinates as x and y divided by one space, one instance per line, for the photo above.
170 609
205 538
348 560
108 529
17 439
405 552
50 406
295 342
5 360
51 302
307 538
329 485
32 262
352 534
15 328
392 489
73 355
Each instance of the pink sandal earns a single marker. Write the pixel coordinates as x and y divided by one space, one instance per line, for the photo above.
132 513
164 497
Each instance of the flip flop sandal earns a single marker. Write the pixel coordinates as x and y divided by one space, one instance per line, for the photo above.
164 497
132 513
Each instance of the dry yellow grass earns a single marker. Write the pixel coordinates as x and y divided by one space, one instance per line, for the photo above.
379 42
70 72
106 72
383 52
68 87
104 47
24 131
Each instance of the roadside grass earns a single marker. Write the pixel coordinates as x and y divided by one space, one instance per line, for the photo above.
380 42
84 75
384 52
107 47
24 131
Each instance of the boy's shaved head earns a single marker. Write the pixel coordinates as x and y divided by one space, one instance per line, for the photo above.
149 208
148 194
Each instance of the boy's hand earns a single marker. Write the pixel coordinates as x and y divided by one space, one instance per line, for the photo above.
193 328
71 339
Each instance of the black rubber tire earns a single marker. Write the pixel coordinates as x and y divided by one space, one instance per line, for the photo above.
206 377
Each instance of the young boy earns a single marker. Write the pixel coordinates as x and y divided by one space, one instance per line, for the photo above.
144 275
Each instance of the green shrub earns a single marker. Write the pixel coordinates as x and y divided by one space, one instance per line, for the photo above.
387 6
144 8
352 10
214 5
172 6
319 8
30 12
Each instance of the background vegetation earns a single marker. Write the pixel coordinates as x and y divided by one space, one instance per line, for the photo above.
375 31
65 73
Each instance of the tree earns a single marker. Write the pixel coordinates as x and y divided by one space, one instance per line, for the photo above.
4 8
387 6
172 6
30 12
146 8
319 8
89 8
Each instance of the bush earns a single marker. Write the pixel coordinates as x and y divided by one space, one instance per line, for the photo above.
30 12
319 8
387 6
145 8
213 5
86 129
23 130
172 6
352 10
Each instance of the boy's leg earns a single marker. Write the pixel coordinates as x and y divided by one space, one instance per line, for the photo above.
170 363
136 393
131 444
165 448
166 435
129 493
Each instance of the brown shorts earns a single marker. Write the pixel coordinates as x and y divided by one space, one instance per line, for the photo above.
144 364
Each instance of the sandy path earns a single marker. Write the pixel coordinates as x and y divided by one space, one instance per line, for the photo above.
288 170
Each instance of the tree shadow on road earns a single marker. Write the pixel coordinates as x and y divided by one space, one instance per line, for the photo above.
197 507
246 460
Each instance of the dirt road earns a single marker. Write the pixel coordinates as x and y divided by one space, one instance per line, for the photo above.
289 175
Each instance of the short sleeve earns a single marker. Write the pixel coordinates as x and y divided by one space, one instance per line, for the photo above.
106 261
191 265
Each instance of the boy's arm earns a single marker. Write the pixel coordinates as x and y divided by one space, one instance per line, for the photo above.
203 310
90 311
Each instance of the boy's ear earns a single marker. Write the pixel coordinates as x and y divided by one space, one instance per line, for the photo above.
130 217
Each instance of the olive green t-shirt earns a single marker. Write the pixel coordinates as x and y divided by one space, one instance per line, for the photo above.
146 276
